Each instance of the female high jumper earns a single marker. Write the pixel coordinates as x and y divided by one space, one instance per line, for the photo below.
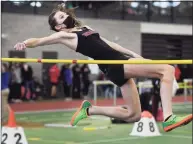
81 38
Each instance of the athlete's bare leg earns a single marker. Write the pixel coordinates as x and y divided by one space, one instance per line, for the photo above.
131 97
162 71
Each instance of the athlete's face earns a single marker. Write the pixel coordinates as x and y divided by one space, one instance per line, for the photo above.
60 17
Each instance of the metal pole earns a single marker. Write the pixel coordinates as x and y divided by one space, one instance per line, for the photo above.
185 91
115 96
95 93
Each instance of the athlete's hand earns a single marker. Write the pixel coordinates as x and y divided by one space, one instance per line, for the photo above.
20 46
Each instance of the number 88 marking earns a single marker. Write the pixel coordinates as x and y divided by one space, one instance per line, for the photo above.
140 127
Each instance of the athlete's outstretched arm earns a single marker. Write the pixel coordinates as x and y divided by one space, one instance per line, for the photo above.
35 42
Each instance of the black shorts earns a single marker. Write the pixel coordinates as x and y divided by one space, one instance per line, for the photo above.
114 73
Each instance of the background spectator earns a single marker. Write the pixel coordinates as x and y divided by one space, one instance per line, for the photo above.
54 74
76 81
38 88
85 79
15 86
66 77
156 97
27 81
5 80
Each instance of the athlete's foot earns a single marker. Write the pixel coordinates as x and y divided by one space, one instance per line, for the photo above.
81 113
176 121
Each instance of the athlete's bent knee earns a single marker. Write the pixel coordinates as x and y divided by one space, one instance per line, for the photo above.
170 69
133 117
137 117
167 70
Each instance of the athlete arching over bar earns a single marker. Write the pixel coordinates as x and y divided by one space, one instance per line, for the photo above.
71 33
